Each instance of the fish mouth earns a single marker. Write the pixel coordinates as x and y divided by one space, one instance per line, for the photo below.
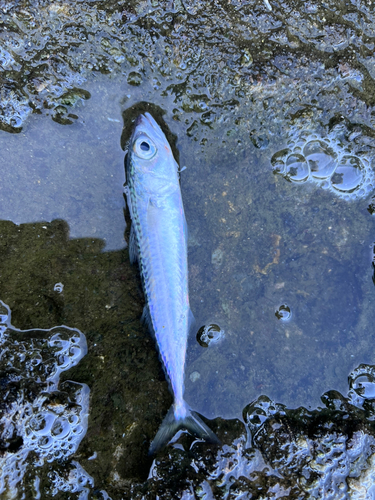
139 120
148 124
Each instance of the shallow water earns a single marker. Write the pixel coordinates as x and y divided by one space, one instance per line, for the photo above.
75 172
271 111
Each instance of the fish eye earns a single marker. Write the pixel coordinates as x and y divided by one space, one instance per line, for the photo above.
144 148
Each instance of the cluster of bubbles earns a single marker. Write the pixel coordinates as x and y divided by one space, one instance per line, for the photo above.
39 415
73 479
326 453
327 162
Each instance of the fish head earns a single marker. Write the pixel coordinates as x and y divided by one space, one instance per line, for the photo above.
150 156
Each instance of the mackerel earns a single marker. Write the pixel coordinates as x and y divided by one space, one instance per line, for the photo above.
158 242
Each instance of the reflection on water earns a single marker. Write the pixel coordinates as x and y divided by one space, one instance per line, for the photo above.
73 173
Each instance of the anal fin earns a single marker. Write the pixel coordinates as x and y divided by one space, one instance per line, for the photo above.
146 318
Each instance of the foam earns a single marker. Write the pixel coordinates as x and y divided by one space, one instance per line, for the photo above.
334 163
40 415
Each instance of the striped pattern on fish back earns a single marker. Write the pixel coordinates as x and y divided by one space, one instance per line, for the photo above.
160 229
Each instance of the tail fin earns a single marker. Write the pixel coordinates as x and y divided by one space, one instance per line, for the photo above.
170 426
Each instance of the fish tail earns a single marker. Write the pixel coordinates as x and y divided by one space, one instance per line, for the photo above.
171 425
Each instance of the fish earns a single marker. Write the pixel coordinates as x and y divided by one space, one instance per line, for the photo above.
158 242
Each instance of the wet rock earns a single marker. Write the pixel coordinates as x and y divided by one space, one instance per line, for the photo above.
295 453
40 416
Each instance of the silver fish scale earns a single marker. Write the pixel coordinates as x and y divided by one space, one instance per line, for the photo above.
160 228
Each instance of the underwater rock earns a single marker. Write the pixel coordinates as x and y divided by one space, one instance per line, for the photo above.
217 257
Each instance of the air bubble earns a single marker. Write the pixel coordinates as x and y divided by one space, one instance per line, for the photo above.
364 386
45 442
297 169
41 424
4 314
321 159
15 121
362 381
36 359
209 334
59 287
73 419
256 413
60 428
74 352
349 174
47 429
284 313
63 361
61 335
278 161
